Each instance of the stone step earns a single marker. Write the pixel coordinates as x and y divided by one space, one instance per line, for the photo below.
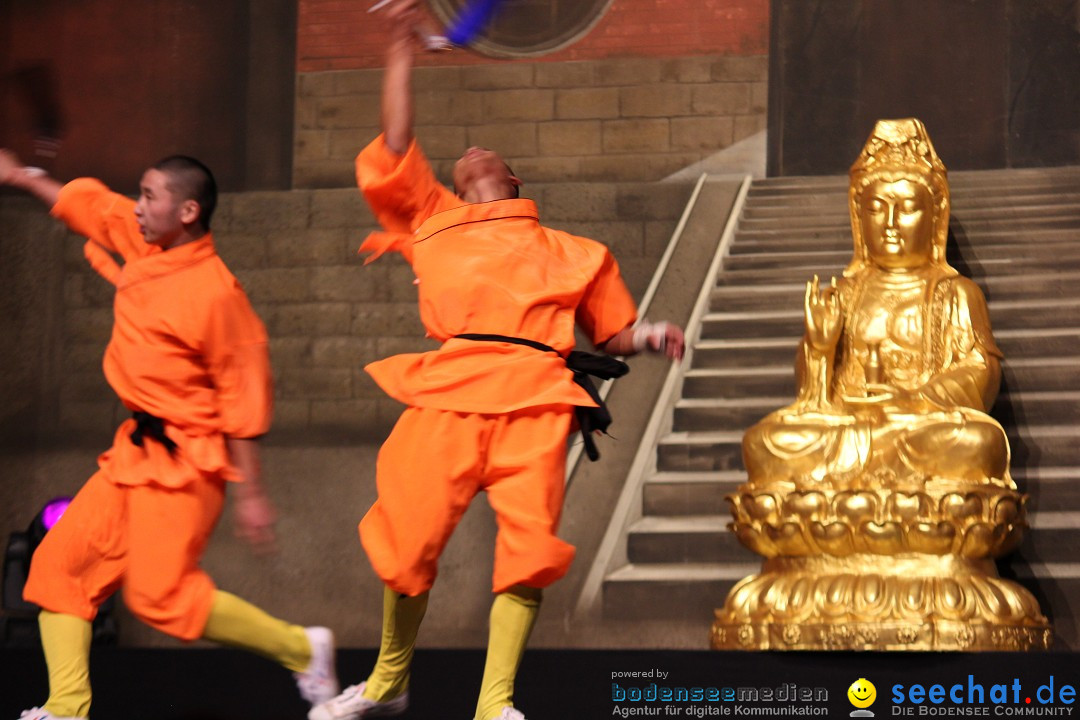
697 493
1053 537
1040 374
700 451
752 352
693 591
1010 409
962 198
1049 488
1018 375
704 414
729 382
996 256
1019 409
687 539
722 449
987 206
960 226
689 493
839 239
1014 343
971 223
730 298
702 493
1004 315
672 592
958 180
977 270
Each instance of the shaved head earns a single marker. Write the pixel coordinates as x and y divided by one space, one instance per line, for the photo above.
189 179
480 175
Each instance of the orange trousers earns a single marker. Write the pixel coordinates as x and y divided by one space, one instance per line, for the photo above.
145 538
436 461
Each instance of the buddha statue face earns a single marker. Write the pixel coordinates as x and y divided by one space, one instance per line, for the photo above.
897 222
899 202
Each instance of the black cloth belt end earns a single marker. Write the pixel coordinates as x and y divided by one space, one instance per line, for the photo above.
147 425
582 365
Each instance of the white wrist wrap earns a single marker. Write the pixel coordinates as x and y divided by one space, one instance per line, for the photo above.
646 332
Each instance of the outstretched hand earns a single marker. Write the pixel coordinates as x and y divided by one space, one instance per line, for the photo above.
403 16
253 513
411 23
254 518
669 341
10 167
658 337
402 11
34 181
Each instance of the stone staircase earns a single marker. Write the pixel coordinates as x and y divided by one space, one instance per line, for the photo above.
1014 232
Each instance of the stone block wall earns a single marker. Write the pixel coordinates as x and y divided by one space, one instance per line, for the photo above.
327 314
623 120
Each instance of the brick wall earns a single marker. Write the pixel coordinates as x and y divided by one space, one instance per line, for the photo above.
655 86
326 313
337 35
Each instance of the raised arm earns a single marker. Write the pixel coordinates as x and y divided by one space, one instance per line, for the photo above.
30 180
397 98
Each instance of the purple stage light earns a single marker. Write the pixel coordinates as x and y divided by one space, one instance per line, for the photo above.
52 511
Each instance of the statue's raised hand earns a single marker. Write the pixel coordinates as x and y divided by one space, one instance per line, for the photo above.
823 318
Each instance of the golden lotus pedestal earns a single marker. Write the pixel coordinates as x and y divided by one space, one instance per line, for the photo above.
880 570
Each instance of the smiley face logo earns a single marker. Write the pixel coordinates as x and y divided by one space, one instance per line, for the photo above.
862 693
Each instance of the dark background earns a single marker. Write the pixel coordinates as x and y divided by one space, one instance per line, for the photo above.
995 81
127 82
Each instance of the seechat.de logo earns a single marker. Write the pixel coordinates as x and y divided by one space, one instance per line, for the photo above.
862 695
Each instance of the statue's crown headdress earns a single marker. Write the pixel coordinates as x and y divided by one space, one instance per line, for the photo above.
898 145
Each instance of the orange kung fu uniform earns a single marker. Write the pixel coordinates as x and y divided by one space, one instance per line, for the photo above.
186 347
488 415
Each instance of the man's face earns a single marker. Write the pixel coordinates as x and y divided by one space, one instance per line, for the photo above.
161 214
477 165
898 224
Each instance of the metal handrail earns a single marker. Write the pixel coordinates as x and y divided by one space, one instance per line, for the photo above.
645 457
574 455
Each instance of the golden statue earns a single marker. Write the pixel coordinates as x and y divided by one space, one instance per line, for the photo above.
880 497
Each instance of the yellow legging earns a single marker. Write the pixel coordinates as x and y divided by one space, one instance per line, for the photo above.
513 614
65 640
401 621
238 623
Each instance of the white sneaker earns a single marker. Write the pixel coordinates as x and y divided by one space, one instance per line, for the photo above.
352 705
319 682
39 714
510 713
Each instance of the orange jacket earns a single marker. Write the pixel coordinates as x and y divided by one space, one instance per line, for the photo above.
186 345
487 268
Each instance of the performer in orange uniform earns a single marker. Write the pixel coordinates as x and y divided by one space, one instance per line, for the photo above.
188 356
489 410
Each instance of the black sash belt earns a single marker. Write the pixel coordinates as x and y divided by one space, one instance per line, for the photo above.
583 365
147 425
